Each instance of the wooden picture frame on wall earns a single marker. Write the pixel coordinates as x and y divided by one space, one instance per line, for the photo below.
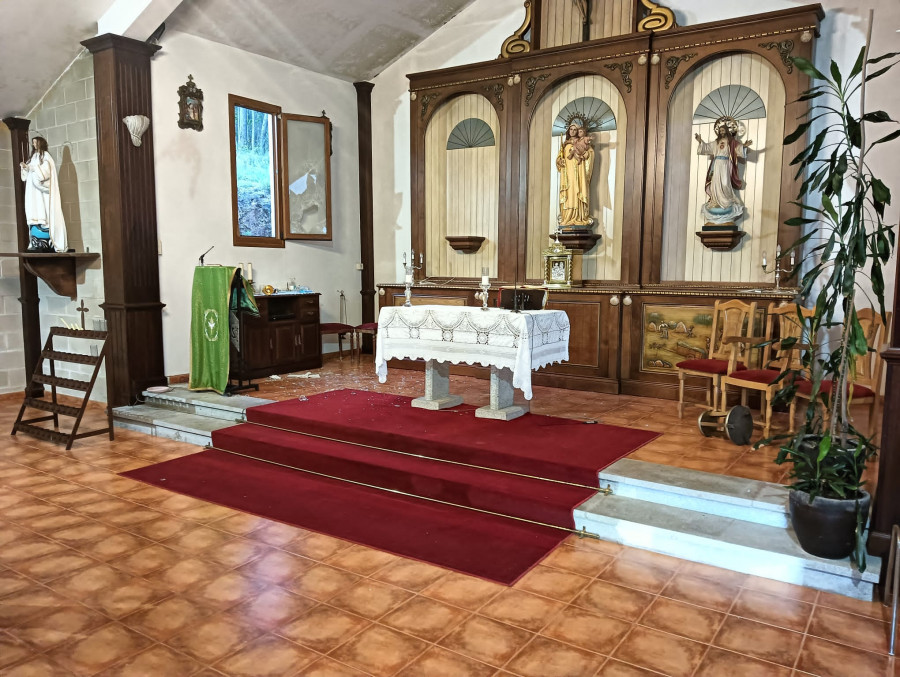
306 177
190 106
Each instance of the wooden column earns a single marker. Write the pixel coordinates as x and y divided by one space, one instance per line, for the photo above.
28 290
127 218
886 503
366 225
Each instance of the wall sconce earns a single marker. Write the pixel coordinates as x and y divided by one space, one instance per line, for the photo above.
137 125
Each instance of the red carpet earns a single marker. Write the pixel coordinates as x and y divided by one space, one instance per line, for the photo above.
484 545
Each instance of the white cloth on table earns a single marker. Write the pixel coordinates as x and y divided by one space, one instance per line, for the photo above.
520 342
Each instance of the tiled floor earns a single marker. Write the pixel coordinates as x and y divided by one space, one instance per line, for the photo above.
102 575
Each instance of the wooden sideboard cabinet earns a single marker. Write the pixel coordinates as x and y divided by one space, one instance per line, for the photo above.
284 338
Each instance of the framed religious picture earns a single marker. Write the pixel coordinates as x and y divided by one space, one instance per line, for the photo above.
562 267
190 105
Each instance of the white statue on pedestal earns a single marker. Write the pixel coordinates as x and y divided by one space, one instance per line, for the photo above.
43 207
723 205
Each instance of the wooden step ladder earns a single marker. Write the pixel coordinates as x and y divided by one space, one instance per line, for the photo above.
56 409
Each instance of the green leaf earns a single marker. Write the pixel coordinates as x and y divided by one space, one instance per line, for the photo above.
890 137
879 72
799 221
806 66
880 192
890 55
836 74
824 447
854 131
797 133
877 116
858 66
810 94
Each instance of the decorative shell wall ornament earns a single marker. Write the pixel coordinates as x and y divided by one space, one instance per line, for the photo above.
137 125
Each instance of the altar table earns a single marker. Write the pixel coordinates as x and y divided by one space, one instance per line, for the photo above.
511 344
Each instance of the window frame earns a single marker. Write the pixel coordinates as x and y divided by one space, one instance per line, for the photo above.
277 241
286 206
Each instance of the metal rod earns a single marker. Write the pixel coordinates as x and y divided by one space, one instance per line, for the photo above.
606 491
582 531
893 566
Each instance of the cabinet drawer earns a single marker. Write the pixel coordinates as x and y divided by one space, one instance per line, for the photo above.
309 315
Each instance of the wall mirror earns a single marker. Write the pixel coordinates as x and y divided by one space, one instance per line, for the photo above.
306 177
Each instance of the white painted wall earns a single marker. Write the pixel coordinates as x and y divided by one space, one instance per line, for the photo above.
193 181
477 33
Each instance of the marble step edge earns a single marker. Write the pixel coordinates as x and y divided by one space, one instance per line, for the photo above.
204 403
167 418
734 497
756 549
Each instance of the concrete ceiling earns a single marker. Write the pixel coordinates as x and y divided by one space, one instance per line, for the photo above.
348 39
38 40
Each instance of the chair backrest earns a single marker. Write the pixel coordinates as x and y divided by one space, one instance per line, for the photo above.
869 366
342 312
784 322
730 319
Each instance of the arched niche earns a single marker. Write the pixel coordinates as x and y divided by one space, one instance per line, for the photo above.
462 186
607 192
684 258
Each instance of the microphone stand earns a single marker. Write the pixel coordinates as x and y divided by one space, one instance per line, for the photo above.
203 255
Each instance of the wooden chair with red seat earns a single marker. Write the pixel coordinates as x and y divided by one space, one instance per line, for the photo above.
782 349
365 328
731 319
866 385
341 328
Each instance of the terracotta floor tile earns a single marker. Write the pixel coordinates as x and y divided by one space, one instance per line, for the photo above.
215 637
37 667
63 624
547 658
326 667
135 515
83 534
827 659
274 566
614 668
13 651
719 662
613 600
856 631
237 552
54 521
379 650
28 548
594 632
324 628
637 575
577 561
206 513
370 599
160 529
197 540
167 618
773 609
758 640
651 558
522 609
425 618
114 546
553 583
438 662
274 607
239 524
277 534
227 590
99 649
463 591
12 582
486 640
701 591
361 560
781 589
267 656
188 574
410 574
147 560
687 620
29 603
854 606
106 506
322 582
659 651
54 565
157 660
88 583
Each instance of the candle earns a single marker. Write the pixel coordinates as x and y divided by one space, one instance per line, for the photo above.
777 252
241 266
404 258
409 278
250 271
793 259
764 260
485 278
420 258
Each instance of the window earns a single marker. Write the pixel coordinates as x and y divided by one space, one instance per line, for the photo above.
280 175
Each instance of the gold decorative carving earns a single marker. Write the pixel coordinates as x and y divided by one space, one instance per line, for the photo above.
516 43
530 84
426 101
657 18
672 64
626 69
497 91
785 47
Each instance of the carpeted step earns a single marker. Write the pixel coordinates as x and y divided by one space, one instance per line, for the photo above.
494 548
543 446
506 494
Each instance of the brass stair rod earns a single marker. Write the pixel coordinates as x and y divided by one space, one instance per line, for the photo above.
581 532
607 491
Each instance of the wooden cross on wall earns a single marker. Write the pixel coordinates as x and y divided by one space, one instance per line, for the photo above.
82 309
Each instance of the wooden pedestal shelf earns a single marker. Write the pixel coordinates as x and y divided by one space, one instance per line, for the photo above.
583 241
59 271
720 240
53 407
468 244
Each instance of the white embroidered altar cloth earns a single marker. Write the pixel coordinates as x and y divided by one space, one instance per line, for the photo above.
521 342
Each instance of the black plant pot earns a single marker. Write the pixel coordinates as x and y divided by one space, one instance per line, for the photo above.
826 527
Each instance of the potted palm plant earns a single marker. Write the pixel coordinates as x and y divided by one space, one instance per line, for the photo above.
844 210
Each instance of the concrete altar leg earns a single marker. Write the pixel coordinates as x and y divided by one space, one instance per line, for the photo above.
437 387
501 407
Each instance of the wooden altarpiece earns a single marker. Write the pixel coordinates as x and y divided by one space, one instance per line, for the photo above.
639 73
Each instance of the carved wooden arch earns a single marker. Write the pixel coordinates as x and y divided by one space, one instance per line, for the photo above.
560 76
444 95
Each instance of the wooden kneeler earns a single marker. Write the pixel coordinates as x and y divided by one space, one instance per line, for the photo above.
53 406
